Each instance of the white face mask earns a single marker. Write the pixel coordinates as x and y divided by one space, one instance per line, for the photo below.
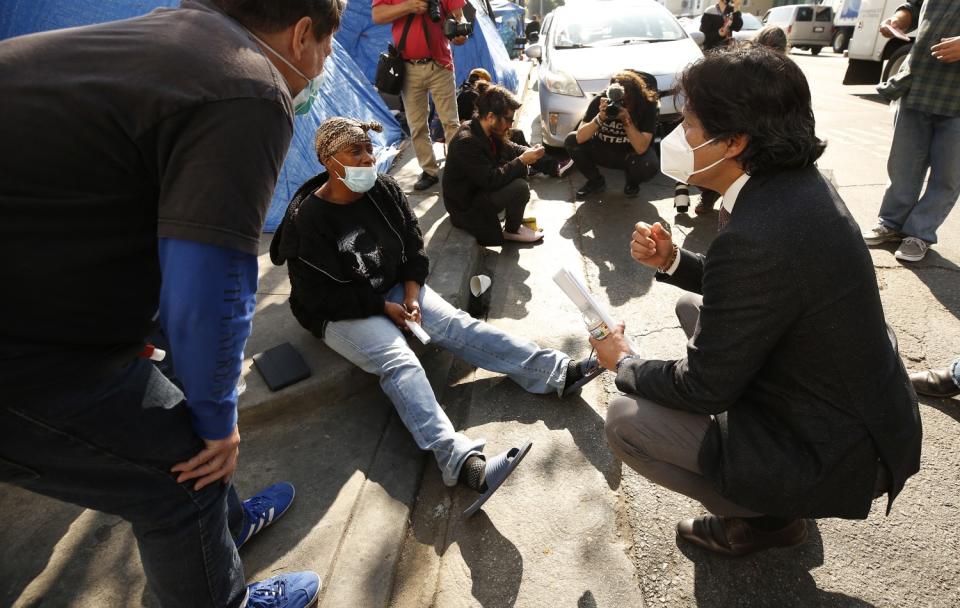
676 156
358 179
304 99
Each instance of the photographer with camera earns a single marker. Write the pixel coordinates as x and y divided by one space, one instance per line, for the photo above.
617 133
719 22
486 172
430 25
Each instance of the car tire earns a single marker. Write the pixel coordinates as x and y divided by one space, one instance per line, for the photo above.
815 50
839 42
896 60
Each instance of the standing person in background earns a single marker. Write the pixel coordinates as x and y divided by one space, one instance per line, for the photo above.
154 224
620 139
926 133
719 22
429 72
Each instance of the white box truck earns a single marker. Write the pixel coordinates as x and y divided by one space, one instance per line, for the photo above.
873 58
845 13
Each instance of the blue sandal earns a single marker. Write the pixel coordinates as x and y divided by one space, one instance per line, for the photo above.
497 470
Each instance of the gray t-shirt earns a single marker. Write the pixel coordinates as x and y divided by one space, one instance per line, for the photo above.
173 124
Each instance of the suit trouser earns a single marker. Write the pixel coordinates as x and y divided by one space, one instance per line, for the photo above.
419 80
663 444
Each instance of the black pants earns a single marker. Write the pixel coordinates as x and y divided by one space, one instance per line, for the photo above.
512 200
109 446
589 156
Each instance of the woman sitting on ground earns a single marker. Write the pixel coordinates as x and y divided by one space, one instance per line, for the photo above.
357 267
486 173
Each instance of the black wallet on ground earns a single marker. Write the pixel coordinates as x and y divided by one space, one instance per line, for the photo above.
281 366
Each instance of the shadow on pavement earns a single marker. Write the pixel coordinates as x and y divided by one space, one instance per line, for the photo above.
601 228
495 563
513 293
940 276
948 406
778 577
698 230
874 97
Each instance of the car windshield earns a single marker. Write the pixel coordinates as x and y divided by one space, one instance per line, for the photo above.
615 24
750 22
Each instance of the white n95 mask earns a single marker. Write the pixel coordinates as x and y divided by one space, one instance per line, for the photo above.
358 179
676 156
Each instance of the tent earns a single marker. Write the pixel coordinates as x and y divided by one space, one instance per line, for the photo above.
509 18
485 49
345 90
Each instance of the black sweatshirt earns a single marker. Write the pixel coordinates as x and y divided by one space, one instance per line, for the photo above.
342 259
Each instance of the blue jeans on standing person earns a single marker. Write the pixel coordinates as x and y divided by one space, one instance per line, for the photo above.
922 141
378 347
109 446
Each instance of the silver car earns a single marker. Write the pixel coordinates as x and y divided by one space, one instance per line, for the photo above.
583 44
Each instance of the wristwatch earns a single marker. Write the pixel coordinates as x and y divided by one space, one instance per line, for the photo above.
622 359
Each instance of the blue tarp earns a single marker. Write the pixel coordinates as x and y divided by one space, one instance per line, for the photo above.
345 91
365 41
509 19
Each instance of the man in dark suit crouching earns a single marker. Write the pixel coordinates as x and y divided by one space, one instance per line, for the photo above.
791 401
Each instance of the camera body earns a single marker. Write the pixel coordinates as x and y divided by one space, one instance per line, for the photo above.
454 29
433 10
614 96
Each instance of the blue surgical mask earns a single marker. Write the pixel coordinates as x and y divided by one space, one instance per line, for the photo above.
358 179
304 99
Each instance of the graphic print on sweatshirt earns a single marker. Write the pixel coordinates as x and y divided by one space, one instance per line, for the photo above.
367 254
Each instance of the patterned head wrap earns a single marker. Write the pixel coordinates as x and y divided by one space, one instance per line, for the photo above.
337 132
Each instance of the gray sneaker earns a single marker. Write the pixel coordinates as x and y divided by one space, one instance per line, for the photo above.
880 234
911 249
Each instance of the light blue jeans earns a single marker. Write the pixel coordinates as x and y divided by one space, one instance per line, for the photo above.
376 346
922 141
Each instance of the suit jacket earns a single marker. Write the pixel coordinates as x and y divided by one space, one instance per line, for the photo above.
792 357
477 166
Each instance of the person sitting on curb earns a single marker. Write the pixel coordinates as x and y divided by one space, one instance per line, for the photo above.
617 140
943 382
467 96
486 173
791 401
358 270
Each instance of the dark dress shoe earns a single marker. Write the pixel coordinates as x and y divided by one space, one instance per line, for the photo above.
426 180
631 190
935 383
735 537
592 187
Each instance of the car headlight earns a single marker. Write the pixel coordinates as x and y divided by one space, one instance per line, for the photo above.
561 83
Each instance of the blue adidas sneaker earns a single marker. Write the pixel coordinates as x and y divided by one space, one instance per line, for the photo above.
294 590
264 508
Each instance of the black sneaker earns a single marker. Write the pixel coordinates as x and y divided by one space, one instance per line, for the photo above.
592 187
426 180
631 190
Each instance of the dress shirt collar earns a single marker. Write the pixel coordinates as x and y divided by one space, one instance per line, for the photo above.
730 196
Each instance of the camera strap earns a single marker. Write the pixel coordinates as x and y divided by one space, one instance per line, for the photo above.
403 37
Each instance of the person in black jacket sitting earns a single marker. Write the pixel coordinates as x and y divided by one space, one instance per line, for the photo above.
486 173
719 22
791 401
358 270
617 140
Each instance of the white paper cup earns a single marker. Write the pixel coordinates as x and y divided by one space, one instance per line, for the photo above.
479 284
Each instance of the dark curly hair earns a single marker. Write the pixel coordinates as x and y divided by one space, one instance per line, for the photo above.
636 90
272 15
494 98
755 91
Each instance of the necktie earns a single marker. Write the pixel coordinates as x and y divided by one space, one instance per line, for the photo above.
723 219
